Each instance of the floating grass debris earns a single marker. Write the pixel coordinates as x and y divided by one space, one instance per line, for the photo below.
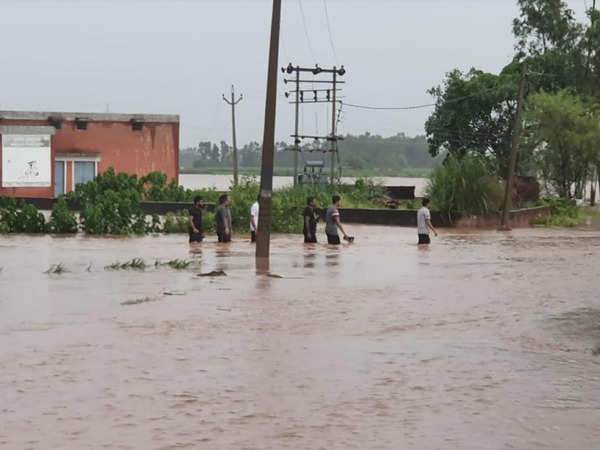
177 264
56 269
135 264
174 293
214 273
138 301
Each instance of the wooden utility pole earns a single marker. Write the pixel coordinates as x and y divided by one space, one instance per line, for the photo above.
263 239
516 142
234 102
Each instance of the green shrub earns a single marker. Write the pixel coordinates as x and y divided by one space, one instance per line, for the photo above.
563 213
110 204
62 220
462 186
8 214
209 222
155 225
29 220
176 222
4 229
411 205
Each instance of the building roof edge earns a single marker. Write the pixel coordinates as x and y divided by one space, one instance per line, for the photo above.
92 117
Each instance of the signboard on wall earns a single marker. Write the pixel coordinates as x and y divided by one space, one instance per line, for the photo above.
26 160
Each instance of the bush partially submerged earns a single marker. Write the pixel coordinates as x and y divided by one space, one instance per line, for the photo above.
177 264
563 213
56 269
462 186
135 263
23 218
110 204
62 219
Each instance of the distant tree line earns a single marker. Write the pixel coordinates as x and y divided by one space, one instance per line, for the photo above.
366 151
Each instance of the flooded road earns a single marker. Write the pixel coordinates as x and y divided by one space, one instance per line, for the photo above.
484 341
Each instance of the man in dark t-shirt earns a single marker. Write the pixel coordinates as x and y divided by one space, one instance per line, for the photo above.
223 219
196 228
310 221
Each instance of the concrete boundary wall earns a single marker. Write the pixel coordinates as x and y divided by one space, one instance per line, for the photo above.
520 218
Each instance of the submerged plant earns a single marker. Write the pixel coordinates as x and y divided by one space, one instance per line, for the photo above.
138 301
56 269
177 264
135 263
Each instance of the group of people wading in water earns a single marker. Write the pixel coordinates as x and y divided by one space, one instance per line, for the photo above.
333 224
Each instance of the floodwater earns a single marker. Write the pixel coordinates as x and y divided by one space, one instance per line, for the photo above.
223 182
483 341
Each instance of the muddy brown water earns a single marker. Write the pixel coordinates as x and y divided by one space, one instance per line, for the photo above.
484 341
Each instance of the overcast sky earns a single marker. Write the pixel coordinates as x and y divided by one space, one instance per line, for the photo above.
179 56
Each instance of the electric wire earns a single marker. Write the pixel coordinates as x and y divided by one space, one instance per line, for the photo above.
389 108
412 107
330 32
310 47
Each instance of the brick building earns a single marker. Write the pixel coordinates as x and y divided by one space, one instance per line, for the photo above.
45 154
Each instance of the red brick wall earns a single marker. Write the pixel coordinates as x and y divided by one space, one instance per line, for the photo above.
154 148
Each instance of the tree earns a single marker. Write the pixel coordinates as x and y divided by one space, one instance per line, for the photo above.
563 129
562 53
544 26
474 113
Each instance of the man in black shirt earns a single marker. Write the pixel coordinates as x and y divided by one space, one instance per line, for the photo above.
310 218
196 228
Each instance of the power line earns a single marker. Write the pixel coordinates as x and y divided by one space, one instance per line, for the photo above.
329 30
427 105
395 108
310 47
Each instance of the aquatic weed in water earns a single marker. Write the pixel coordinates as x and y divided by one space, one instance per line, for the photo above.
138 301
177 264
56 269
135 263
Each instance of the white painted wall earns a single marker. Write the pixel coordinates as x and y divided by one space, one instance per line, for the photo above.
26 160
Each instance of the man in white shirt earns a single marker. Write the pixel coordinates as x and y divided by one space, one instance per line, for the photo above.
254 220
424 223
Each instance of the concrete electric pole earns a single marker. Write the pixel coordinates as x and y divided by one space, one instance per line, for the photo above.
334 139
296 140
516 141
268 153
234 102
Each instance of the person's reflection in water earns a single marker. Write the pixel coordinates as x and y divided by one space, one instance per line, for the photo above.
222 255
332 258
196 256
309 260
